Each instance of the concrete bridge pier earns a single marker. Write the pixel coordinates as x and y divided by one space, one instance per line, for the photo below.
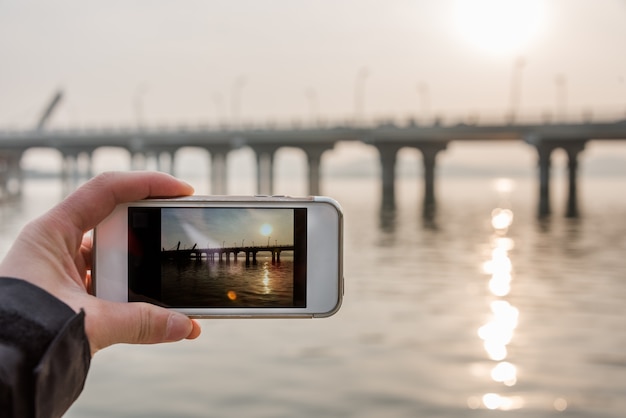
219 170
77 166
544 151
314 160
165 161
544 154
265 173
11 174
163 158
265 169
138 160
572 164
69 171
429 154
388 155
153 160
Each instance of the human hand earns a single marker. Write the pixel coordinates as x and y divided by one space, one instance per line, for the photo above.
54 253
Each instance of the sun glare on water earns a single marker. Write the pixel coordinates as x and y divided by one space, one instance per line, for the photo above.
499 26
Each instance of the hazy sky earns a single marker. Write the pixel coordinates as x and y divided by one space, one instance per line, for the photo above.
175 61
217 227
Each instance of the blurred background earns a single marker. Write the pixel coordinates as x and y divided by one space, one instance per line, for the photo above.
482 305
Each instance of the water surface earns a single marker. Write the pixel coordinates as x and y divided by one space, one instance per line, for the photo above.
481 311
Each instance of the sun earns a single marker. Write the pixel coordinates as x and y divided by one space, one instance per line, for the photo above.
266 229
499 26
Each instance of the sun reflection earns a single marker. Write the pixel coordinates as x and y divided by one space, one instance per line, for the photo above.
501 219
498 332
505 372
266 279
499 266
504 403
500 284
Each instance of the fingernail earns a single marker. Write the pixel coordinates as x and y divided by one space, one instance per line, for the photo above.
178 327
188 185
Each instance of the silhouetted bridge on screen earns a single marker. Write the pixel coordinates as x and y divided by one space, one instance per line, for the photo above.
223 254
544 136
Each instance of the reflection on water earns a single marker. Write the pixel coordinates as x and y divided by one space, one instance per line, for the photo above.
549 304
202 282
498 333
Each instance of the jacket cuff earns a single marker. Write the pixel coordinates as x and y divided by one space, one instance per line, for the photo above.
60 375
46 347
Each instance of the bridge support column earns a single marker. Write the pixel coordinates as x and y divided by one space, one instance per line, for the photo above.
137 161
544 151
218 172
69 172
572 151
173 161
314 159
265 173
265 170
163 160
388 154
11 174
88 159
429 154
77 166
545 155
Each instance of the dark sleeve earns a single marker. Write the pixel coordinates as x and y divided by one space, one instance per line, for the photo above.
44 352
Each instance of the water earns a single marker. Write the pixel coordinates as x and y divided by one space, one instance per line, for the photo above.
198 283
444 318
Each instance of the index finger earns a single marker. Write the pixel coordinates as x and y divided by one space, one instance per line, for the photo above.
95 200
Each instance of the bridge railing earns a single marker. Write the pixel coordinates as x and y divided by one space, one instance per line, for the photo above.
477 117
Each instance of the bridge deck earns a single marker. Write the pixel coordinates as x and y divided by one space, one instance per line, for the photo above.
225 252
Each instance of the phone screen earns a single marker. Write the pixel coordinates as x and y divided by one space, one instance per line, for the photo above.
218 257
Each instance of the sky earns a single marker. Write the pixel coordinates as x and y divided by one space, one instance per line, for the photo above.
162 62
228 227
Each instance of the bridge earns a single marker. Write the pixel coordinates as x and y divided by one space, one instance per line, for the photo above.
315 139
223 254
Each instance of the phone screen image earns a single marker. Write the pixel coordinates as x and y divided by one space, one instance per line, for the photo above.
218 257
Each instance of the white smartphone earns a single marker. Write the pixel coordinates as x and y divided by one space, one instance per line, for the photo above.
224 256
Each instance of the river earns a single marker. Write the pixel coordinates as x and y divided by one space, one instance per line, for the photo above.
482 311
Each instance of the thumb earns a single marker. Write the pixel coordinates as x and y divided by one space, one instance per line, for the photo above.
136 323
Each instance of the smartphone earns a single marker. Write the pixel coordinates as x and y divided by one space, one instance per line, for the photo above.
213 256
